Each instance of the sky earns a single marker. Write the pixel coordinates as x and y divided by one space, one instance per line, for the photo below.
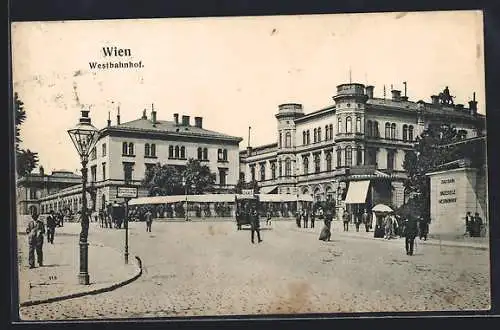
233 72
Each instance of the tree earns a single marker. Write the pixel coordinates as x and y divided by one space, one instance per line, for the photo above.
26 159
161 180
427 155
198 177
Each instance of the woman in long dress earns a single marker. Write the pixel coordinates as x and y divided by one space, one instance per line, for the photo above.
326 231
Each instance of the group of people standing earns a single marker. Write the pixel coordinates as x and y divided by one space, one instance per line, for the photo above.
302 217
473 224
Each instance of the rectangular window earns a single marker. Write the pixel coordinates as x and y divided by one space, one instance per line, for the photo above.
103 149
262 171
103 171
222 176
252 172
273 170
93 173
390 159
127 171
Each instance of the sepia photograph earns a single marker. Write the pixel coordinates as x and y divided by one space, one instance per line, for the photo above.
251 166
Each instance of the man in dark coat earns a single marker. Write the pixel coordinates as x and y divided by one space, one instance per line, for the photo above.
149 220
35 231
476 226
51 227
366 220
297 218
255 225
410 232
424 227
345 219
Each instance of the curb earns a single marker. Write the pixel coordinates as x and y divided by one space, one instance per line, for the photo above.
435 243
87 293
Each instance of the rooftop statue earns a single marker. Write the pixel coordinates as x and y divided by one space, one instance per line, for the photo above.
445 97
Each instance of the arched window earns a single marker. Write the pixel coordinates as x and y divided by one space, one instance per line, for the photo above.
205 153
317 163
348 156
358 124
387 130
339 157
146 149
304 137
393 131
170 151
153 150
288 167
224 154
104 149
308 137
410 133
200 153
183 152
405 132
339 126
130 148
273 170
331 131
124 148
288 140
280 168
315 135
369 128
176 151
328 161
319 134
306 164
280 140
376 132
348 125
327 136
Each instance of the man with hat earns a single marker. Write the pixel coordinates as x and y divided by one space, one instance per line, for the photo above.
35 231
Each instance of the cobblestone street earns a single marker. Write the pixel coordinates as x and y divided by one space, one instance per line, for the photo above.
210 268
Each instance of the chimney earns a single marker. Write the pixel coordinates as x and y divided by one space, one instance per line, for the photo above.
153 114
144 116
198 122
41 170
369 91
404 98
473 105
176 119
185 120
109 118
435 99
118 117
396 95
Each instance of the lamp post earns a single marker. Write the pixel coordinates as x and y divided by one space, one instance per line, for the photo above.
184 182
84 136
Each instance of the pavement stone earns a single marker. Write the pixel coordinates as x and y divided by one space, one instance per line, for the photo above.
207 269
58 279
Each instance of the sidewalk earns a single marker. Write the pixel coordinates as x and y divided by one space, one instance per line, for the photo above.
58 278
481 243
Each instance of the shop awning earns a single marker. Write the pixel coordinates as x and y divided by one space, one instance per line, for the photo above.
357 192
268 190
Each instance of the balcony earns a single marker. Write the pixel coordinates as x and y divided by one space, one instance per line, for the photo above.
391 142
348 136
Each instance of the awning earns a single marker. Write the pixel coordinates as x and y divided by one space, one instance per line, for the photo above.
268 190
357 192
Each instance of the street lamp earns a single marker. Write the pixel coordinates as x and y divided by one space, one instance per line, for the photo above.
84 136
184 183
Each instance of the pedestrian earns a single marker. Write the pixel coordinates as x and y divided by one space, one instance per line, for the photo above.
313 217
61 219
255 225
366 220
423 227
35 231
410 229
468 221
297 218
345 220
358 222
101 218
268 220
51 227
477 225
306 217
326 232
149 220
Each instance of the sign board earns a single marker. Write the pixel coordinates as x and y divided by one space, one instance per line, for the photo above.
127 192
247 191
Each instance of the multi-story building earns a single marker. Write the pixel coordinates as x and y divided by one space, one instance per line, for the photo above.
351 151
33 188
124 151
